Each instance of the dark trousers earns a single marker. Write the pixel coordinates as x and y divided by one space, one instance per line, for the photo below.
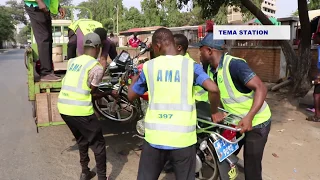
72 44
254 143
42 30
152 161
88 133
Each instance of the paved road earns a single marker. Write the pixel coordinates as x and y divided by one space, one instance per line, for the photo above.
51 154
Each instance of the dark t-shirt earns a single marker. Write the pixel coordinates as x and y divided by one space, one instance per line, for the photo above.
240 73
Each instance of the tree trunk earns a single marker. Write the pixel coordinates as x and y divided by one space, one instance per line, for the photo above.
302 66
1 44
299 81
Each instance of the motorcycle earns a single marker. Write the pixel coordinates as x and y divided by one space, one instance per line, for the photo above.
119 72
216 144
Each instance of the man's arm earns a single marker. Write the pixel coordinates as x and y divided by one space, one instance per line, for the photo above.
202 79
95 77
260 94
241 72
113 50
138 87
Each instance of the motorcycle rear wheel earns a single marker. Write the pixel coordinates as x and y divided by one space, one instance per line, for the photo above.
209 170
124 110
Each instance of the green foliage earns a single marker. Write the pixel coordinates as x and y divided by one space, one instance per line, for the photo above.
22 37
7 27
312 5
17 11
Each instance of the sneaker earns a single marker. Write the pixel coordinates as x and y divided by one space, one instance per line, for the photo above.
50 77
87 176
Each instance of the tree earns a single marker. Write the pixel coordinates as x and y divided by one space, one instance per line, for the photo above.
7 27
104 11
17 11
151 13
299 75
22 37
133 19
312 5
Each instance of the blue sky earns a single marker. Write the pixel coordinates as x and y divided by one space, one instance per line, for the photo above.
284 8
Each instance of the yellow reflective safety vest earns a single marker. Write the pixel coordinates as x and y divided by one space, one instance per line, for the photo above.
171 115
75 95
53 5
200 93
86 25
234 101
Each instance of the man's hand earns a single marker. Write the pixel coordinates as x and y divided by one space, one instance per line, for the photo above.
218 117
62 12
42 6
245 124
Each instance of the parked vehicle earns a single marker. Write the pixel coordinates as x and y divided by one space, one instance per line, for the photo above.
216 145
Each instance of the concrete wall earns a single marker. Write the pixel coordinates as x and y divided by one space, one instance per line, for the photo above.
267 62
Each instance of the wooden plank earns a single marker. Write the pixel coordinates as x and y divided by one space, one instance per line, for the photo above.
56 117
42 108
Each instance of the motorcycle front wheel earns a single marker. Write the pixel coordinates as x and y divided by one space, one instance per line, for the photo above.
120 111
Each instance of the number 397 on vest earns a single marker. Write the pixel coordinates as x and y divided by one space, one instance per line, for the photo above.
165 116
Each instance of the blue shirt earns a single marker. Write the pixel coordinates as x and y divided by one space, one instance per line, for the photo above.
140 87
240 73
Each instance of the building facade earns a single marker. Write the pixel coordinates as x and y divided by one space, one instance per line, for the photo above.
269 8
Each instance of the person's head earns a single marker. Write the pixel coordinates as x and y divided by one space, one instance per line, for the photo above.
163 42
92 44
211 49
182 43
135 35
102 34
111 34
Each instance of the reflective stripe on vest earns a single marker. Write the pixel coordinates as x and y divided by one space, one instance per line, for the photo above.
200 93
171 120
232 100
183 106
75 97
79 89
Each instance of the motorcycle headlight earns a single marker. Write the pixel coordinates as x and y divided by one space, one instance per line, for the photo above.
140 127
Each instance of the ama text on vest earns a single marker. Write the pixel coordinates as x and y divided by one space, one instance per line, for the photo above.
168 75
75 67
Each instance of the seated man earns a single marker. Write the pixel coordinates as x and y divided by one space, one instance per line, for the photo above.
81 27
134 41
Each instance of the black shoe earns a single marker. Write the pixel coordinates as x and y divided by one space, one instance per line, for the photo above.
87 176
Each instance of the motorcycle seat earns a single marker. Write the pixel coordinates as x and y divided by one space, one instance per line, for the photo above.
203 110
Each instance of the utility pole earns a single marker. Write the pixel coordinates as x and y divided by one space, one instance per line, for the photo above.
117 19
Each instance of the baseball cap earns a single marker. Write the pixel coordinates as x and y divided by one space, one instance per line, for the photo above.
91 40
209 41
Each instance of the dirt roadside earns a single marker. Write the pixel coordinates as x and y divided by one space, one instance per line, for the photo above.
291 152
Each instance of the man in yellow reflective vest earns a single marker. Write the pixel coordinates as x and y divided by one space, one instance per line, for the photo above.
170 121
182 46
81 27
39 14
242 93
79 86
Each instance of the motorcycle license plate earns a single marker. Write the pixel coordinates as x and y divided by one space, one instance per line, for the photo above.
224 149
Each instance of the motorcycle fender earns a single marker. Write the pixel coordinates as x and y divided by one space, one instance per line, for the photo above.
225 170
